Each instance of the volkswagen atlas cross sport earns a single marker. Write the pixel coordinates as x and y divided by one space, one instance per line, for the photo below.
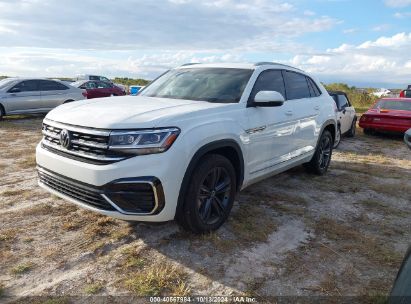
186 145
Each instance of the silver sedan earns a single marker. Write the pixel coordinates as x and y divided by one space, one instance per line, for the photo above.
28 95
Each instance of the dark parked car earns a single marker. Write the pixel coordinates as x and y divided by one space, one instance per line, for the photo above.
401 291
96 89
407 138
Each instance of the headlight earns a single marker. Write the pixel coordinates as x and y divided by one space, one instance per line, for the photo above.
143 141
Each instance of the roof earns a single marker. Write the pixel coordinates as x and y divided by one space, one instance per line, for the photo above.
247 66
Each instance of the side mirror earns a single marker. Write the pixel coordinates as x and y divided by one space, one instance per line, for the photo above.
268 99
15 90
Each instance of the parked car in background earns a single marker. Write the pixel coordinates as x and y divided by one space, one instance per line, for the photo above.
401 291
97 89
407 138
30 95
388 114
92 77
406 93
185 146
381 93
135 89
346 116
101 78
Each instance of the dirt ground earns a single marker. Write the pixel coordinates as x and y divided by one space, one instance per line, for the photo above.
292 235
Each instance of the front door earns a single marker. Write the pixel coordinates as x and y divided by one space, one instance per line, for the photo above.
270 129
24 97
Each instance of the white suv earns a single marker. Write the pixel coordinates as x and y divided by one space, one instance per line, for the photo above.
188 143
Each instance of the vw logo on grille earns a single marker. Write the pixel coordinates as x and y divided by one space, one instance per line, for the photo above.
65 138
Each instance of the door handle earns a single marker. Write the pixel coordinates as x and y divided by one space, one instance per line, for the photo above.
289 113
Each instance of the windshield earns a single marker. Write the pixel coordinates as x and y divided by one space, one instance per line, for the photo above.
6 81
219 85
393 105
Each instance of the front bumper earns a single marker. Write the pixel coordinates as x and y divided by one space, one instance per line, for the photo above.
120 189
383 127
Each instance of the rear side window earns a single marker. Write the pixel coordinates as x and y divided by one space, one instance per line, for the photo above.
49 85
314 90
270 80
27 86
296 86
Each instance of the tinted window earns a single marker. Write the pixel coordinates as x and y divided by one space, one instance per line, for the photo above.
49 85
103 85
393 105
296 85
27 86
270 80
342 102
89 85
219 85
314 90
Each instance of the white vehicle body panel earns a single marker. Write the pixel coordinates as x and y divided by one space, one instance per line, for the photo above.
271 139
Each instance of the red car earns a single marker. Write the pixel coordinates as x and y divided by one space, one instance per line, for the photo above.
96 89
388 114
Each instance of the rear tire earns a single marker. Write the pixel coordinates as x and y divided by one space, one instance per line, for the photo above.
322 157
353 129
337 138
1 112
210 195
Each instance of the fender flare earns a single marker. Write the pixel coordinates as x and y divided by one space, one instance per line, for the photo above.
224 143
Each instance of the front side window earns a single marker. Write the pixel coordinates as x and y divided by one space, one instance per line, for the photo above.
269 80
27 86
296 86
217 85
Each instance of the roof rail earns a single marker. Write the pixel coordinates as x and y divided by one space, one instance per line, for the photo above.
186 64
275 63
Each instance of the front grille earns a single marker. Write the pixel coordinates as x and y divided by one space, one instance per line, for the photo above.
89 145
75 190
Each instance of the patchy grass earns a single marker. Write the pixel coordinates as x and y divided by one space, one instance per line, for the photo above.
162 278
10 193
2 290
380 207
22 268
251 223
93 288
28 162
351 239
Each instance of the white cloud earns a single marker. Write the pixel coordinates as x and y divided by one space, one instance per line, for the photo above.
380 60
402 15
397 3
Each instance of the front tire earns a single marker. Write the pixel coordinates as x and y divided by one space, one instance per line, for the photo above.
322 157
210 195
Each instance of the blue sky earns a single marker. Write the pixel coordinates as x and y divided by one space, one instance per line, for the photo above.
363 42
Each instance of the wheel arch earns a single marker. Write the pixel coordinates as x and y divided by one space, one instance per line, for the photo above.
2 109
330 125
228 148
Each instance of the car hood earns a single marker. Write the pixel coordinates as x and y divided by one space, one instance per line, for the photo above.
126 112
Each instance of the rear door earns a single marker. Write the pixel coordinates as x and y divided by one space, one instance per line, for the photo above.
53 93
105 89
305 110
24 97
346 113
